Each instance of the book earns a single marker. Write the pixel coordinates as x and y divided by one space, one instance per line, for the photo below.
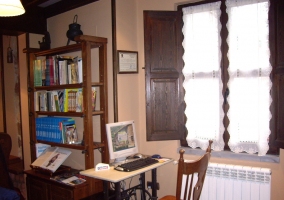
71 134
73 75
66 175
79 100
80 70
62 71
36 100
50 128
43 72
56 101
40 148
70 178
68 133
49 75
74 180
51 158
66 100
37 73
42 100
51 106
73 94
61 100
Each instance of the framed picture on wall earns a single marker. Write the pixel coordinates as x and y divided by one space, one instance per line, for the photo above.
127 62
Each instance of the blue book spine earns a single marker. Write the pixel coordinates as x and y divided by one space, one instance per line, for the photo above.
37 123
44 127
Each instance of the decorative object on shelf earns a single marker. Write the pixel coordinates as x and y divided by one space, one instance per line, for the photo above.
11 8
74 30
45 44
127 62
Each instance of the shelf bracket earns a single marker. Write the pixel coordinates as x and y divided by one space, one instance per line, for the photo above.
84 151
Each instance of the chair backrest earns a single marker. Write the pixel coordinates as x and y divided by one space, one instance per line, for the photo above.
191 176
6 145
5 149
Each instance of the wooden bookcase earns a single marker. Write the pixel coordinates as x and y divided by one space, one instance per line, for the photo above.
84 45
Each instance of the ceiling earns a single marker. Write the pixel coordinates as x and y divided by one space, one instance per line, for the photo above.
54 7
37 11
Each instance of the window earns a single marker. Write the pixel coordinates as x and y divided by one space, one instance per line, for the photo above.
164 75
248 82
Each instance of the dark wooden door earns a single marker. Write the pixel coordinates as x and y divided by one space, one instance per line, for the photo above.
163 68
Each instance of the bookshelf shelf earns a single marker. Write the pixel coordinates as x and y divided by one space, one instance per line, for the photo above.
58 87
96 145
70 114
84 45
95 42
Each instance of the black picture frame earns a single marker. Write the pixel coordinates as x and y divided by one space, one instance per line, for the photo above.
127 62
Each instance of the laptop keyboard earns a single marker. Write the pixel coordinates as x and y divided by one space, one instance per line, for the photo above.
136 164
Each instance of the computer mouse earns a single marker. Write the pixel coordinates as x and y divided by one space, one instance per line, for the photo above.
137 155
156 156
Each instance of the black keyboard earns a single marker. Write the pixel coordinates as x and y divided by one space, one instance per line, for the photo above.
136 164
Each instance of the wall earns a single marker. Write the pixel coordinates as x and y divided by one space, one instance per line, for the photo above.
23 71
12 100
1 102
166 174
95 19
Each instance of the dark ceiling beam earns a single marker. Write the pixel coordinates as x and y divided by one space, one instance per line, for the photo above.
34 19
32 3
64 6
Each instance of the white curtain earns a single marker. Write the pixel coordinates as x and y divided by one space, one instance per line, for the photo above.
249 71
203 84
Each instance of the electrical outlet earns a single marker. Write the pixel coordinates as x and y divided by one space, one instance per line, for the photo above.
150 185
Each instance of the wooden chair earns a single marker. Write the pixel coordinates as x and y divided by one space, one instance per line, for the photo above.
6 183
186 189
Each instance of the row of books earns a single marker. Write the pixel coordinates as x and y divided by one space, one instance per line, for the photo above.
65 100
56 129
70 178
57 70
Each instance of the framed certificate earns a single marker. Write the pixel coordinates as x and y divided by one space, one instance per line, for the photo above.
127 62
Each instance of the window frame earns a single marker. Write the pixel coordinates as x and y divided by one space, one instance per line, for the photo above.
224 66
163 71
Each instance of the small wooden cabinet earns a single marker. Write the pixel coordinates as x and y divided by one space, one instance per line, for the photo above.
39 186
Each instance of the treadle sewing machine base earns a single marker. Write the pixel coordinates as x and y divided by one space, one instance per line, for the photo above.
114 176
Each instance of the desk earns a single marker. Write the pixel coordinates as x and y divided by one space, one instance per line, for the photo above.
115 176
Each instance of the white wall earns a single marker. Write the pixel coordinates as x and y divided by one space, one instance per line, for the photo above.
167 174
12 106
95 19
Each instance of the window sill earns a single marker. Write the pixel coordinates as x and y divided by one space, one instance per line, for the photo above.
231 155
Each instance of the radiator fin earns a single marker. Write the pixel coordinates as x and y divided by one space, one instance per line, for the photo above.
236 182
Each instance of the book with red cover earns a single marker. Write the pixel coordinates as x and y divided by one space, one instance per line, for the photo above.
50 62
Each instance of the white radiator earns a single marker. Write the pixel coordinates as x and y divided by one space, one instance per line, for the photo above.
235 182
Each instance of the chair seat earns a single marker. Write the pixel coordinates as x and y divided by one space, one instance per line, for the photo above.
168 197
8 194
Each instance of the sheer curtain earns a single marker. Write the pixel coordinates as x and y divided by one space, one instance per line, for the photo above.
203 84
249 71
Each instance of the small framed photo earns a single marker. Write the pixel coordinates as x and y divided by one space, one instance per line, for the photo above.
127 62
